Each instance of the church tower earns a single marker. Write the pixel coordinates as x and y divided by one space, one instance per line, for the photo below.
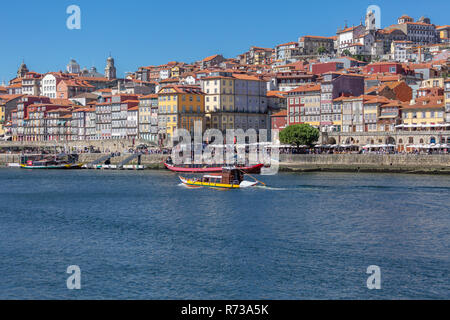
110 70
371 21
23 70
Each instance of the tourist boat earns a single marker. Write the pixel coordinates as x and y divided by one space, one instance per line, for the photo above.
61 161
193 168
230 178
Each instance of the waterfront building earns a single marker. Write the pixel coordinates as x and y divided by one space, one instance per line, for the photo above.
22 114
335 85
8 103
276 100
120 104
40 125
390 116
336 124
145 115
424 112
58 124
279 120
250 108
235 101
103 119
83 123
148 117
352 113
180 106
132 122
372 111
447 101
2 118
304 105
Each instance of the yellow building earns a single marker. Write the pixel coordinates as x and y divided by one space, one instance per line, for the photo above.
180 107
443 32
372 111
432 83
424 112
176 72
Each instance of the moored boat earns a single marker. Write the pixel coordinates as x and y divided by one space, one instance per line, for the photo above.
61 161
230 178
192 168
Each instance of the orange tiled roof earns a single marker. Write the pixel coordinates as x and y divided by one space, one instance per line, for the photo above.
287 44
282 113
150 96
210 58
348 29
307 88
426 102
278 94
9 97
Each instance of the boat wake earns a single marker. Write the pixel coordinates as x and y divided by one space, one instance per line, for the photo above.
271 188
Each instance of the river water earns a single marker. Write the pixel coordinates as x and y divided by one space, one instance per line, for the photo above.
140 235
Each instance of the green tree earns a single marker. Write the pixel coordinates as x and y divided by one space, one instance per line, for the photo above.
346 52
321 50
299 134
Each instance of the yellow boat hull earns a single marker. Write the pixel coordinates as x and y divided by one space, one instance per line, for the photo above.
198 184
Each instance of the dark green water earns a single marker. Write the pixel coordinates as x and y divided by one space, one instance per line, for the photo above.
139 235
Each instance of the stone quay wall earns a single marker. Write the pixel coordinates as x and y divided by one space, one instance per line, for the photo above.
366 162
401 163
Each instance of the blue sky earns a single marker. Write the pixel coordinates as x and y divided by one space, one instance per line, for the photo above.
148 32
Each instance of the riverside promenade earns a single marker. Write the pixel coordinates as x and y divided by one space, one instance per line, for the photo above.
394 163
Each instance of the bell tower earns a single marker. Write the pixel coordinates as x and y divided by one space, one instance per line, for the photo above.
371 21
110 70
23 70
